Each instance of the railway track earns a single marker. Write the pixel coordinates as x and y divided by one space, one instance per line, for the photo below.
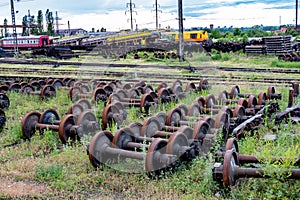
107 72
105 65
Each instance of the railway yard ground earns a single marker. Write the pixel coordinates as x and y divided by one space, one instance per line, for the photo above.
45 167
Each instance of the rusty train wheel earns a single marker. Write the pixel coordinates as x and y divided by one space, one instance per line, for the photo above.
48 91
98 144
4 101
200 130
85 118
162 85
108 89
203 85
27 89
190 86
15 87
173 117
194 110
135 128
187 131
153 164
114 98
229 164
121 138
133 93
126 86
147 89
210 102
84 103
177 90
99 94
3 88
252 101
227 110
175 143
64 129
146 102
162 116
239 111
75 109
235 91
36 85
57 83
232 144
65 81
223 97
48 116
209 120
164 95
121 93
28 124
150 126
42 82
84 89
271 90
183 108
112 114
201 102
73 93
71 82
262 98
243 102
2 119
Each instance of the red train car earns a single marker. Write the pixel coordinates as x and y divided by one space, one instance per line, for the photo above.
26 42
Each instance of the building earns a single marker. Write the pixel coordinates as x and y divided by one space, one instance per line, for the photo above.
70 32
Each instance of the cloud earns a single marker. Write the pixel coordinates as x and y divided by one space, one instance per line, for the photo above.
110 14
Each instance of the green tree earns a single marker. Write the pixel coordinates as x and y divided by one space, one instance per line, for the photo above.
24 23
215 34
237 32
40 24
33 30
5 29
49 22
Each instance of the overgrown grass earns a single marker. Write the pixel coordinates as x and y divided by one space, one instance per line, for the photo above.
67 173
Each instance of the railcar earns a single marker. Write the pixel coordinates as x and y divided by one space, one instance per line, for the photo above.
193 36
26 42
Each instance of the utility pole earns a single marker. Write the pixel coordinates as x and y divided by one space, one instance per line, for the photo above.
56 21
13 18
130 5
69 28
181 42
28 22
296 14
156 13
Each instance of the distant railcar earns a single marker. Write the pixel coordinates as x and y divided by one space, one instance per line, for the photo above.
26 42
193 36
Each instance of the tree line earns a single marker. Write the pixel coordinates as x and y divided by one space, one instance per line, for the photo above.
36 24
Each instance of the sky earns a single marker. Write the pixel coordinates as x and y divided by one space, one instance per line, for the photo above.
114 16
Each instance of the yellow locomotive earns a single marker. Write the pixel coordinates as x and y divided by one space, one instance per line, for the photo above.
188 36
193 36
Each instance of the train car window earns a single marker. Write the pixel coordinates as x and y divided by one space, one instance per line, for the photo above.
193 36
200 35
